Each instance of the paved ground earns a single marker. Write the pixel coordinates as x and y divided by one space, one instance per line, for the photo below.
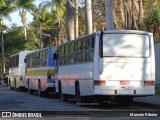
54 108
153 100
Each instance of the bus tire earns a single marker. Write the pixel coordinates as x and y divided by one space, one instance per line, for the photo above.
11 88
15 85
40 93
80 100
124 100
30 91
59 92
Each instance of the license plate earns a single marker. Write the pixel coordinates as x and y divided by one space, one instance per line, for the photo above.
124 82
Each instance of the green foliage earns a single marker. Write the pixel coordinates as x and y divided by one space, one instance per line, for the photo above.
14 42
153 18
157 89
152 23
5 9
2 3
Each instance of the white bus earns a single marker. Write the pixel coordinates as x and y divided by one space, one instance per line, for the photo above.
16 77
40 71
105 64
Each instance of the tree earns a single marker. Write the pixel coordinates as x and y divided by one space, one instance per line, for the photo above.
15 42
152 22
88 15
5 9
58 9
23 6
109 15
3 3
69 21
39 17
141 14
76 19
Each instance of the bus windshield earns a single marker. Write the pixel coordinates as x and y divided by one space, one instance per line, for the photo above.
126 45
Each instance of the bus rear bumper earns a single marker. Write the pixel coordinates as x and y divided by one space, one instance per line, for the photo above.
142 91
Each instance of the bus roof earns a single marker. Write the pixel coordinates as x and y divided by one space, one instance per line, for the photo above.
127 31
41 49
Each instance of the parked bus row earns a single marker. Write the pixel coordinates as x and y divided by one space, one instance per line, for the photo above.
105 64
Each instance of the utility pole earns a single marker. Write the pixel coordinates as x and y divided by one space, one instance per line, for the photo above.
109 14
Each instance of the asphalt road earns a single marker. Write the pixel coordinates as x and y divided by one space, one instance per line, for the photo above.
22 105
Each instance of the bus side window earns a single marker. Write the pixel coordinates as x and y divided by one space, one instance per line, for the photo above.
79 56
61 55
87 50
45 58
90 49
72 53
84 50
69 54
76 52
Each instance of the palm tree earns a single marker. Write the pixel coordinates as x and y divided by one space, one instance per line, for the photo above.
39 17
152 21
23 6
109 14
88 16
140 14
2 3
69 21
5 9
58 10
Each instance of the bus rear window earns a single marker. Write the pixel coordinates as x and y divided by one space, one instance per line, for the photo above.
126 45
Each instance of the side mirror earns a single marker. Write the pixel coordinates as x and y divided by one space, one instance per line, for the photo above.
55 56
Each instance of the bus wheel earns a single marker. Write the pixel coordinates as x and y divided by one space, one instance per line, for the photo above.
11 88
40 93
79 98
29 90
124 100
15 85
64 97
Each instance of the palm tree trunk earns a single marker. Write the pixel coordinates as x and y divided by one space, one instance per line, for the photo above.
140 14
88 16
127 16
76 19
122 10
109 15
69 21
115 15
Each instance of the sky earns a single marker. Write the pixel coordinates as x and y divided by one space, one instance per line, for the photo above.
16 17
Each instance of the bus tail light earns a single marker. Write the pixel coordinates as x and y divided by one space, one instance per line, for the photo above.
100 83
149 83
